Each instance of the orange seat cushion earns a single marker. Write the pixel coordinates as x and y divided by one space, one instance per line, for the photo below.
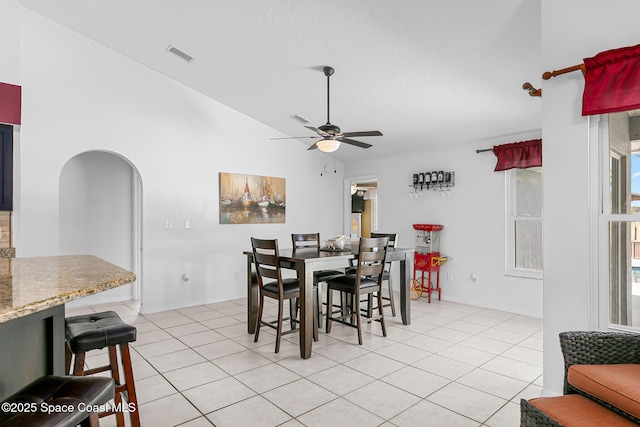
614 384
575 410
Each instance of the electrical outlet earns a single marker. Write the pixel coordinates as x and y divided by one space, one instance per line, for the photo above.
449 276
236 275
474 278
185 279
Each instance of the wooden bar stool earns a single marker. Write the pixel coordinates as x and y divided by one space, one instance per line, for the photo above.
96 331
59 401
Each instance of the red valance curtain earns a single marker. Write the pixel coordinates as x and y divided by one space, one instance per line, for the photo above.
10 103
612 81
520 155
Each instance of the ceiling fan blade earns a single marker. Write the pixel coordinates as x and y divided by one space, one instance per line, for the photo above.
293 137
318 131
356 143
314 146
363 133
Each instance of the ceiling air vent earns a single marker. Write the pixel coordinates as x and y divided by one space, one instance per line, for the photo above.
180 54
299 118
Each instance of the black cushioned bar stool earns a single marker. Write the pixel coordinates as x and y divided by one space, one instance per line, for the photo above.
58 401
99 330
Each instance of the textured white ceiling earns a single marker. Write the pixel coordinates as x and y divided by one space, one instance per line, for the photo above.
423 72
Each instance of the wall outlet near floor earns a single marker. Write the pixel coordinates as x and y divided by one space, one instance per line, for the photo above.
474 278
236 275
449 276
185 279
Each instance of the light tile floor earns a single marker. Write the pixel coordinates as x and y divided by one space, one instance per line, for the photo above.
455 365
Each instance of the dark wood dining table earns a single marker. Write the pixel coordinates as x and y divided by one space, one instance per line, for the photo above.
305 262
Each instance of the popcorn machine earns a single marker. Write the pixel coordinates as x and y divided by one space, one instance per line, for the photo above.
427 259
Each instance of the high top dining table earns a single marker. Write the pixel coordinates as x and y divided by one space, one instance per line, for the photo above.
305 262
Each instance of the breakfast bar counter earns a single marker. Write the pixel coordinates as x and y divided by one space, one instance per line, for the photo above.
33 292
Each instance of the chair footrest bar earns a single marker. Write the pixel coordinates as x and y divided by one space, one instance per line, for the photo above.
272 326
344 322
97 370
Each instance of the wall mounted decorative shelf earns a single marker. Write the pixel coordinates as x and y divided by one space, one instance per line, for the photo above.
439 181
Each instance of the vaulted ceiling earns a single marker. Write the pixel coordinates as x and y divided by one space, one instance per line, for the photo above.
424 72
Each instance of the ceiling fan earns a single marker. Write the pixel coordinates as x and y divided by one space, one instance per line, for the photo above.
331 136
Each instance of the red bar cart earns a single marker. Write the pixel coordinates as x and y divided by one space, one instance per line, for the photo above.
427 259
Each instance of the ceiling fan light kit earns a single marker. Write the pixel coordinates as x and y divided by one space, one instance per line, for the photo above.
328 145
331 136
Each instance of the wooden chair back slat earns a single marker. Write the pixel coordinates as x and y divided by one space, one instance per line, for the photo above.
371 255
266 259
392 238
305 240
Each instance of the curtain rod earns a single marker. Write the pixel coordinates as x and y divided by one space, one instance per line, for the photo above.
548 74
484 149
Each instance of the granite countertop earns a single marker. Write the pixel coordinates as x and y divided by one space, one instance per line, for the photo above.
7 252
36 284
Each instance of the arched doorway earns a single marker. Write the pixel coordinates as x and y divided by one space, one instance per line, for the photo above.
100 214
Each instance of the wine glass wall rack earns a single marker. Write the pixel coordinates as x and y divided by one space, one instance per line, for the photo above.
434 180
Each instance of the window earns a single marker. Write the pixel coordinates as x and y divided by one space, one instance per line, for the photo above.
524 223
620 218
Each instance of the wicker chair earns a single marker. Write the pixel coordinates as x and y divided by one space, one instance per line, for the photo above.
530 416
587 348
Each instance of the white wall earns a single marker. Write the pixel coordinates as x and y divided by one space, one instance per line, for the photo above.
79 96
571 30
9 36
473 219
96 214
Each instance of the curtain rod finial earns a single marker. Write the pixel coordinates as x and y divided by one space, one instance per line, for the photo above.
532 90
548 74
